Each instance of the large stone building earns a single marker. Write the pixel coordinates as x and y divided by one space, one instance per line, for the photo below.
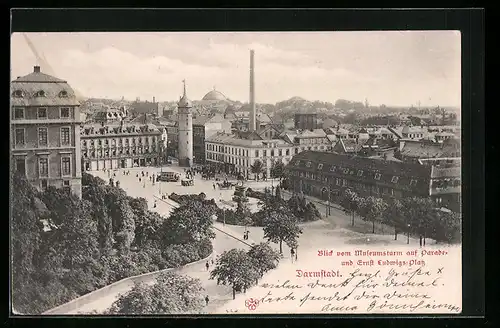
327 175
45 131
121 145
238 154
185 126
146 107
204 127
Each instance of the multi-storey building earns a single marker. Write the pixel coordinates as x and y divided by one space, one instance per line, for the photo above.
306 121
185 125
239 154
45 131
121 146
204 127
326 175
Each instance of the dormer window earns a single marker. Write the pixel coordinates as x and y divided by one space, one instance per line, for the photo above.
297 163
40 93
394 179
333 168
308 164
346 171
18 94
63 94
377 176
320 166
360 173
413 182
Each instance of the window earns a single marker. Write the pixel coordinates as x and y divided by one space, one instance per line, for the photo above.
63 94
377 176
360 173
333 168
308 164
66 183
344 182
394 179
297 163
320 166
64 112
413 182
65 139
43 167
287 152
346 171
18 94
19 113
66 166
42 113
44 184
40 93
20 136
264 153
337 181
21 166
42 136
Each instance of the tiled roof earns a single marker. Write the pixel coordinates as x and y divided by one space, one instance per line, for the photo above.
244 140
365 169
56 92
111 129
428 150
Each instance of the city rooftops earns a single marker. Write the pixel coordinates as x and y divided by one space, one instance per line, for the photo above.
244 140
89 130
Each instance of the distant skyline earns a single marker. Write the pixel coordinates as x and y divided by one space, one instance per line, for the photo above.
392 68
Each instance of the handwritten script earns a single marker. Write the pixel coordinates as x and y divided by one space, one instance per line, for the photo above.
366 290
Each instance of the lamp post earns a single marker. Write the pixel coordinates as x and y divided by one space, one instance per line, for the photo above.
408 235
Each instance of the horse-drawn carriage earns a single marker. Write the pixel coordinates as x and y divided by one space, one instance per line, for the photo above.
168 177
187 182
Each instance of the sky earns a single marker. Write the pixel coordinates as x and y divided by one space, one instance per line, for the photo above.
398 68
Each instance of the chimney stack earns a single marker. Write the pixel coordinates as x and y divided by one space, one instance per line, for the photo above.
36 69
252 92
154 100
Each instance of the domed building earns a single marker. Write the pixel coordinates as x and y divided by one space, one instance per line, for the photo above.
215 100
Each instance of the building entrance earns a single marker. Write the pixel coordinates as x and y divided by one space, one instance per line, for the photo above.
123 164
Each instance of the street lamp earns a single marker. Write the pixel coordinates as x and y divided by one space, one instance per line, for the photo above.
408 236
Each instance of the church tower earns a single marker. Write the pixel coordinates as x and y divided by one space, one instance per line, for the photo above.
185 130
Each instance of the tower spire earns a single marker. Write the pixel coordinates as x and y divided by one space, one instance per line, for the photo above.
184 82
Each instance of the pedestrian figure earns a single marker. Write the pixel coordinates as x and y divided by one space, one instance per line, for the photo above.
292 253
137 175
114 174
214 185
207 300
139 179
212 261
154 206
207 265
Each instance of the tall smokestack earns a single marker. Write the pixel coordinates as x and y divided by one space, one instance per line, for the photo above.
252 92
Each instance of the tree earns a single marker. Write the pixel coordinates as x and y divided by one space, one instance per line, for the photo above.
170 294
278 192
421 214
147 228
350 202
277 169
371 209
90 180
96 194
235 268
265 258
394 215
257 167
187 223
281 225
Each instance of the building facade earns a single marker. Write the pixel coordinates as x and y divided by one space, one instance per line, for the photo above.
327 175
45 131
120 146
307 121
185 125
204 127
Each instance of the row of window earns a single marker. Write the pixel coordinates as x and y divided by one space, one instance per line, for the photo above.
119 141
42 113
360 173
357 187
43 166
133 151
39 93
43 132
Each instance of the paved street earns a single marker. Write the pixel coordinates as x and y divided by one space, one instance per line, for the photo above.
130 183
326 233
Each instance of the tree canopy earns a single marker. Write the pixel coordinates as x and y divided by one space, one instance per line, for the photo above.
281 225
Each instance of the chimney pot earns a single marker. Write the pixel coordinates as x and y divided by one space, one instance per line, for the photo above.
36 69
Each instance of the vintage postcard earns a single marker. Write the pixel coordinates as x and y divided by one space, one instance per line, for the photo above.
241 173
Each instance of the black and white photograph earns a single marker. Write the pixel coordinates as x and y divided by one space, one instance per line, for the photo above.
218 173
